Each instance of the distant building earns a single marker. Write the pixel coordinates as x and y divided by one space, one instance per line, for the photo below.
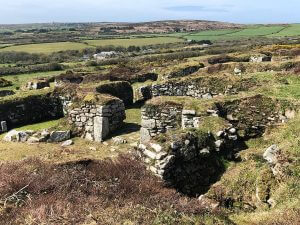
105 55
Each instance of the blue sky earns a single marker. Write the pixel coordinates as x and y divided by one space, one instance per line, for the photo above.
238 11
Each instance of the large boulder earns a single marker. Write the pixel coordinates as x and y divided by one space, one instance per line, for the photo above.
59 136
16 136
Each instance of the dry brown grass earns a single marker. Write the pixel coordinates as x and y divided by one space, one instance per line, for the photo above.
87 192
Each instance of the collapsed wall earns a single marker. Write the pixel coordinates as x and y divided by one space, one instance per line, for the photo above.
187 161
178 147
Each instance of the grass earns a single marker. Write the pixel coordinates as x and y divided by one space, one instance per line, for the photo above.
215 32
251 31
20 80
258 31
134 41
46 48
291 30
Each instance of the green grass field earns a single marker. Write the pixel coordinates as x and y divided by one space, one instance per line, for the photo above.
134 41
46 48
251 31
292 30
216 32
258 31
20 80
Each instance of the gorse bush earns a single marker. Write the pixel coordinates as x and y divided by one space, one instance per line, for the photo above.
81 192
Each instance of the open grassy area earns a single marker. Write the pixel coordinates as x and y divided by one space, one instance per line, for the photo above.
134 41
20 80
258 31
251 31
291 30
46 48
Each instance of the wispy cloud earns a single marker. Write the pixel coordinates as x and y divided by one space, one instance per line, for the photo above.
195 8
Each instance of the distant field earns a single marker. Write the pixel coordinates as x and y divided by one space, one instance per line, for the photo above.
134 41
216 32
46 48
292 30
259 31
253 31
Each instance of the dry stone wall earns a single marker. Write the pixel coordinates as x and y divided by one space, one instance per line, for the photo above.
95 121
159 119
188 162
30 110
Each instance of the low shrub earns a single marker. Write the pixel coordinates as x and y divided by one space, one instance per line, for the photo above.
86 192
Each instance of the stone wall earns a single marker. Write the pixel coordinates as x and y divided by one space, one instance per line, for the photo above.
30 110
188 161
184 72
202 87
159 119
96 121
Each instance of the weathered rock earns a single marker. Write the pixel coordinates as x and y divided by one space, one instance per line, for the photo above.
67 143
208 203
33 140
3 127
119 140
188 112
16 136
11 136
271 154
237 71
101 128
59 136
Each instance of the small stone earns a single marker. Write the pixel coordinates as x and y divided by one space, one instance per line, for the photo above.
156 147
187 142
32 140
149 154
271 154
189 112
204 151
220 133
67 143
232 130
119 140
218 143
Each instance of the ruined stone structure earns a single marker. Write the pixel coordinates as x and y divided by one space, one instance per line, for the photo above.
157 120
200 87
260 58
4 93
188 161
37 84
31 109
96 121
176 148
184 72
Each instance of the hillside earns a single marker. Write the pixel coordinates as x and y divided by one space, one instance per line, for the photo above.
145 125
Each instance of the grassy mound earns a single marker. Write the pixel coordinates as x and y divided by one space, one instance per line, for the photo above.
5 83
